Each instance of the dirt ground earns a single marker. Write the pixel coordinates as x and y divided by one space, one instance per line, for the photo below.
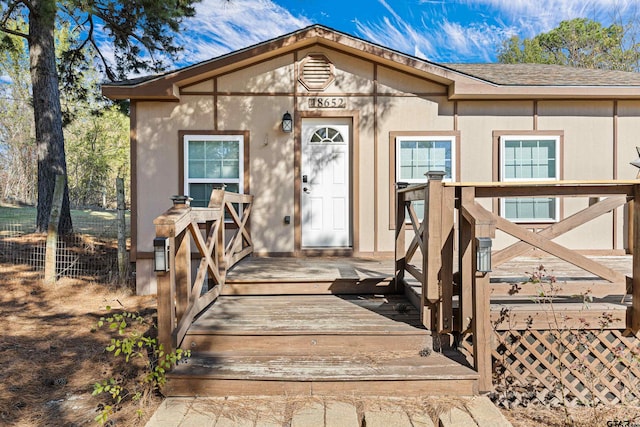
51 355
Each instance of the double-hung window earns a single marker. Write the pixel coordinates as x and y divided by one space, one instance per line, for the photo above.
529 158
212 161
417 155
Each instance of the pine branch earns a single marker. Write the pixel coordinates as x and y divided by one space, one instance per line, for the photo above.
13 6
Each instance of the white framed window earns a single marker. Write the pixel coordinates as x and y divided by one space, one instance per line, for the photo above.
417 155
529 158
212 161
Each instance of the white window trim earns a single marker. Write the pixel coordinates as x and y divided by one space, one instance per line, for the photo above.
450 138
239 180
503 139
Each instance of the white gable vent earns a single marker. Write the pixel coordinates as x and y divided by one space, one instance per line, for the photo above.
316 72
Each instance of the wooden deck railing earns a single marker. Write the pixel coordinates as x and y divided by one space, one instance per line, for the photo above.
433 239
181 298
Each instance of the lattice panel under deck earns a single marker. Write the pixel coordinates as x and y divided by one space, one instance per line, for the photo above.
587 366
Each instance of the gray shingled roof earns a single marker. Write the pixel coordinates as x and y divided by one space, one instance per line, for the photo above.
546 75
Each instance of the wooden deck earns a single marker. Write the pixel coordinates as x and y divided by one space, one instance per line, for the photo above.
509 290
315 326
315 344
320 326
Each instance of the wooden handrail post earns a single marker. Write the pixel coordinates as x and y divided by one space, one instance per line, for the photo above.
635 291
466 235
431 249
166 296
182 272
182 251
475 286
400 248
445 312
482 327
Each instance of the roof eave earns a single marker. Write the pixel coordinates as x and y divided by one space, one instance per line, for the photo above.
170 92
461 91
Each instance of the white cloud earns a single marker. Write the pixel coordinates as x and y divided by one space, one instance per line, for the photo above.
398 36
533 17
477 34
221 27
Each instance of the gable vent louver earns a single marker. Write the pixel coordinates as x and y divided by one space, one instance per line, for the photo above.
316 72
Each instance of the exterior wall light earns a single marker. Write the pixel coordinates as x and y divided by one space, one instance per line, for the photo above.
287 123
161 254
483 255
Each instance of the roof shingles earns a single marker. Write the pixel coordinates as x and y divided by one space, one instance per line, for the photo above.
546 75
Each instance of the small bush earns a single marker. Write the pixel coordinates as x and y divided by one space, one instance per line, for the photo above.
131 344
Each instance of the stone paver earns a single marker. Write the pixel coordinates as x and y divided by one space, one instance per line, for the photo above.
171 412
272 412
421 420
485 414
386 418
340 414
201 412
456 418
311 415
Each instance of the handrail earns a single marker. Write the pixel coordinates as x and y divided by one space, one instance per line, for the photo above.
432 237
181 299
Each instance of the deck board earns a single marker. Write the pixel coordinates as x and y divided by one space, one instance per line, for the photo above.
381 366
261 270
310 314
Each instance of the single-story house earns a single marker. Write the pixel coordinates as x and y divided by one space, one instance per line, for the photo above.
364 117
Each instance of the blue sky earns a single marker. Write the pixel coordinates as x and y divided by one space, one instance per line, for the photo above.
438 30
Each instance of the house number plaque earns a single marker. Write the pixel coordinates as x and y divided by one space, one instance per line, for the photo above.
327 102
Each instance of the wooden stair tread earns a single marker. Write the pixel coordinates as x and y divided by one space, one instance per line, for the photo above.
384 366
257 269
309 314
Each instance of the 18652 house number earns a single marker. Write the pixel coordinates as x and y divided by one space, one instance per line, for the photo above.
327 102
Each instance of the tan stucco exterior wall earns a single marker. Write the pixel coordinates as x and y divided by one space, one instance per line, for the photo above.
381 101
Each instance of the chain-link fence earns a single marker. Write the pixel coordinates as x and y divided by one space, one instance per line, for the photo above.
91 252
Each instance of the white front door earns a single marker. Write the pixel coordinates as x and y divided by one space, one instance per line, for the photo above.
325 201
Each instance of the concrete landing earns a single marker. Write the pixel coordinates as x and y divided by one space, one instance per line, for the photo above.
341 411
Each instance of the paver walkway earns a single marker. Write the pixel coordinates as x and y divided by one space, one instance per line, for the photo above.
327 412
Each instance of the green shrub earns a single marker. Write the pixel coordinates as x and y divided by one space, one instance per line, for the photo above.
129 345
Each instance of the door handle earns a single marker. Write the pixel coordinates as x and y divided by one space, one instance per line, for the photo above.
306 190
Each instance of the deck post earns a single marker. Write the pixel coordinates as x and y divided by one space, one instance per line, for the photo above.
445 318
635 281
431 247
217 200
166 296
465 262
475 223
400 246
183 272
481 327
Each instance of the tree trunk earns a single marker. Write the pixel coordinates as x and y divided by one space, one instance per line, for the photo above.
47 113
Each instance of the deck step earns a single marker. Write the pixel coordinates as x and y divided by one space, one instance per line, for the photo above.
365 374
315 345
325 324
382 285
308 276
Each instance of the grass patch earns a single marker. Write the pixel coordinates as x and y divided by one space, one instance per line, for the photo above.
21 219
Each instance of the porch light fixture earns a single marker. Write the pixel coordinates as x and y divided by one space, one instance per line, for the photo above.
483 255
287 123
161 254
